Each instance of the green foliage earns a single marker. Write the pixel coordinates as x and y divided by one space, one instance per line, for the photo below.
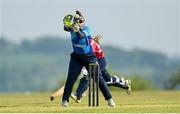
174 81
38 65
29 72
153 66
139 83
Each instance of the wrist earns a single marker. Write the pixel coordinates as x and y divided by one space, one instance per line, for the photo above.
75 29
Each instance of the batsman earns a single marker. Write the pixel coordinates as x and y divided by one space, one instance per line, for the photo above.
82 55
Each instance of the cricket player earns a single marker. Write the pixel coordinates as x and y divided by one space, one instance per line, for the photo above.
110 80
82 55
83 76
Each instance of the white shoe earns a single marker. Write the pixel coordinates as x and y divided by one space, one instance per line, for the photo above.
110 82
64 103
122 80
74 97
117 78
111 102
128 83
128 90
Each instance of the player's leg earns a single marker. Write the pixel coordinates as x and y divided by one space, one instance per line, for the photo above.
113 80
102 84
105 74
104 89
60 91
73 72
82 87
116 81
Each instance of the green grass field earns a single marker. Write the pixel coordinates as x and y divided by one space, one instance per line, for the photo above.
140 101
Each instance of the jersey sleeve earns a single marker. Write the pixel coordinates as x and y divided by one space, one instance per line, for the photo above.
86 31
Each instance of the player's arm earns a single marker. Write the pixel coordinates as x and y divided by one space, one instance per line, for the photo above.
78 31
79 21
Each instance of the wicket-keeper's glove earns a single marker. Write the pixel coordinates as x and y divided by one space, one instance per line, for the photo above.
68 21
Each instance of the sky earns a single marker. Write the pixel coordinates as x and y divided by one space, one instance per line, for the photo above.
146 24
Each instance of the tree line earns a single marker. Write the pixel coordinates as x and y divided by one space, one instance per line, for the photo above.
38 65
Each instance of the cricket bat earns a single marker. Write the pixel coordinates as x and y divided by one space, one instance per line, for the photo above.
58 93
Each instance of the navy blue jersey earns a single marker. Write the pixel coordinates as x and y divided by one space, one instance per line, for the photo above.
81 45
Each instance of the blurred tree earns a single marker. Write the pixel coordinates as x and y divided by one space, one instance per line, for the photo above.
174 81
138 83
32 64
3 76
51 45
3 42
26 45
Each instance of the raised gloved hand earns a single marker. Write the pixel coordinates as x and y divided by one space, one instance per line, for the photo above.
67 21
67 24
